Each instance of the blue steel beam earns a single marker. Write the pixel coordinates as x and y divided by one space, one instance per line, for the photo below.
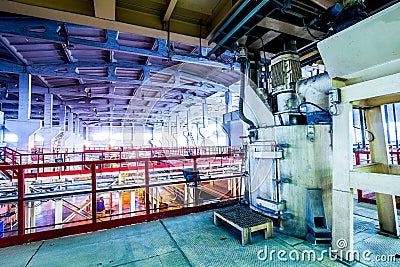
228 35
231 18
48 30
69 70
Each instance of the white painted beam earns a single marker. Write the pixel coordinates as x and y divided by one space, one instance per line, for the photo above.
376 182
372 88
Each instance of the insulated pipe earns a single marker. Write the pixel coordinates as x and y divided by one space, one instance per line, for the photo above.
241 97
316 90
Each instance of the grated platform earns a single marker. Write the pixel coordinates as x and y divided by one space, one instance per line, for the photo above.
245 221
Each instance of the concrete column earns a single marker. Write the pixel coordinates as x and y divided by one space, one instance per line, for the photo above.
25 97
24 127
87 133
76 125
110 134
70 121
228 101
342 194
48 110
81 133
133 202
58 212
63 115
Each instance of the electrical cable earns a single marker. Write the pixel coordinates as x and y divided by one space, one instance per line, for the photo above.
307 27
369 132
312 104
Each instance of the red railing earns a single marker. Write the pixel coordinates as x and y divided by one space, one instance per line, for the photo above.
143 174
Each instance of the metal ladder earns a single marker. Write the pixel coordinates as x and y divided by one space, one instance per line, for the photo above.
243 173
243 152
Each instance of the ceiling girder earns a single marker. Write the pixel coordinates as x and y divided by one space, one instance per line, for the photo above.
69 70
47 30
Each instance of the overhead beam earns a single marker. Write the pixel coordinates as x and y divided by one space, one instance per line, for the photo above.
287 28
52 14
104 9
48 31
325 3
70 70
11 49
170 9
265 39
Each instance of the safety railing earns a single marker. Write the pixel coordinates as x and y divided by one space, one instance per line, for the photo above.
362 157
100 196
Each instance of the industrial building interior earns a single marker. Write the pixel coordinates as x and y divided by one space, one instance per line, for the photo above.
199 133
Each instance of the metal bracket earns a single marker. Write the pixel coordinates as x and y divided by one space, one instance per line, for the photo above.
334 96
310 133
283 180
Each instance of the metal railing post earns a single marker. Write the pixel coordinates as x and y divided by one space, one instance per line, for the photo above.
94 195
147 186
21 202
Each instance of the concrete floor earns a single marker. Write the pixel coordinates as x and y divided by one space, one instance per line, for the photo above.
190 240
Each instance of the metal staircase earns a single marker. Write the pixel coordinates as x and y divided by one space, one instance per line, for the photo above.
58 140
190 135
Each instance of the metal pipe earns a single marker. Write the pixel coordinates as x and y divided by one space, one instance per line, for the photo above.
315 89
243 69
395 125
362 126
385 107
